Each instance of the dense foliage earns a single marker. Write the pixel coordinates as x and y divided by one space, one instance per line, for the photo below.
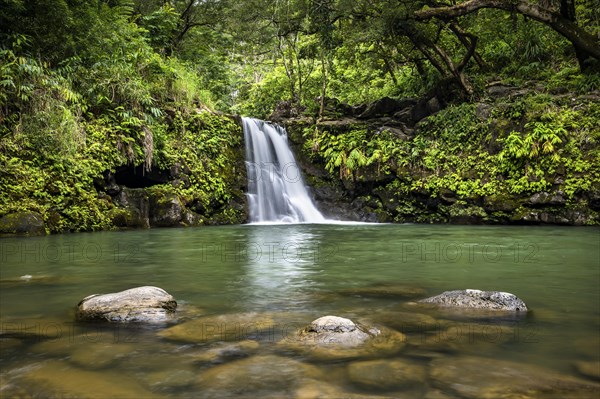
536 144
90 87
86 89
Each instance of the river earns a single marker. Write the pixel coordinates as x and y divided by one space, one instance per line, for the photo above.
302 271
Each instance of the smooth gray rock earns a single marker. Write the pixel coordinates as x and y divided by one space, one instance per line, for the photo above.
139 305
476 299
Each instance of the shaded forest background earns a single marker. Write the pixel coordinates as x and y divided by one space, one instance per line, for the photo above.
89 87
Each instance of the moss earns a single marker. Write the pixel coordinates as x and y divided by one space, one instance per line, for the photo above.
22 223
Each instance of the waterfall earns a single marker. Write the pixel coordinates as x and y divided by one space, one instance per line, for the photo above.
276 190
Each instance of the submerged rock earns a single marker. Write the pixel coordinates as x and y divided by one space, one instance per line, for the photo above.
138 305
589 369
476 299
256 377
385 290
408 322
332 337
463 338
226 351
387 374
93 352
171 378
32 279
226 327
53 379
483 378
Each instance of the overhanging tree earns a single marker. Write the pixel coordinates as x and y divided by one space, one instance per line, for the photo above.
586 45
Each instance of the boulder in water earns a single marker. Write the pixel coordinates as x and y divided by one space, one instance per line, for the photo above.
138 305
476 299
332 337
22 224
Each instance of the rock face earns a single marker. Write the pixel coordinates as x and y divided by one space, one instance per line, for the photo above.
476 299
172 195
333 337
134 211
22 223
137 305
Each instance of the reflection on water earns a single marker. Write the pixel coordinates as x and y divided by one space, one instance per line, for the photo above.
280 263
297 273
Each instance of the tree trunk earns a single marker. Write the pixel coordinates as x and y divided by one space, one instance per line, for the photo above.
567 10
586 45
323 86
443 62
470 42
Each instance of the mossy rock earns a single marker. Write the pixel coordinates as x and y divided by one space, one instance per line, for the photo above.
166 209
120 217
22 224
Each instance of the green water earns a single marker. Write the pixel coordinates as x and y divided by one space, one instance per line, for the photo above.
298 270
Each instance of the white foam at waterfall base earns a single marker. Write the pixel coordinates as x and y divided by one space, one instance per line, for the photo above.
276 190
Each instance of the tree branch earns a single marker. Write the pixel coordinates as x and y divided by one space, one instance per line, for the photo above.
580 38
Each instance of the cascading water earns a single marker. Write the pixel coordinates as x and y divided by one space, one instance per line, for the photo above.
276 190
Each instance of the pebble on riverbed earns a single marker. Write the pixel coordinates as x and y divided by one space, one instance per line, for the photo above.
136 305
